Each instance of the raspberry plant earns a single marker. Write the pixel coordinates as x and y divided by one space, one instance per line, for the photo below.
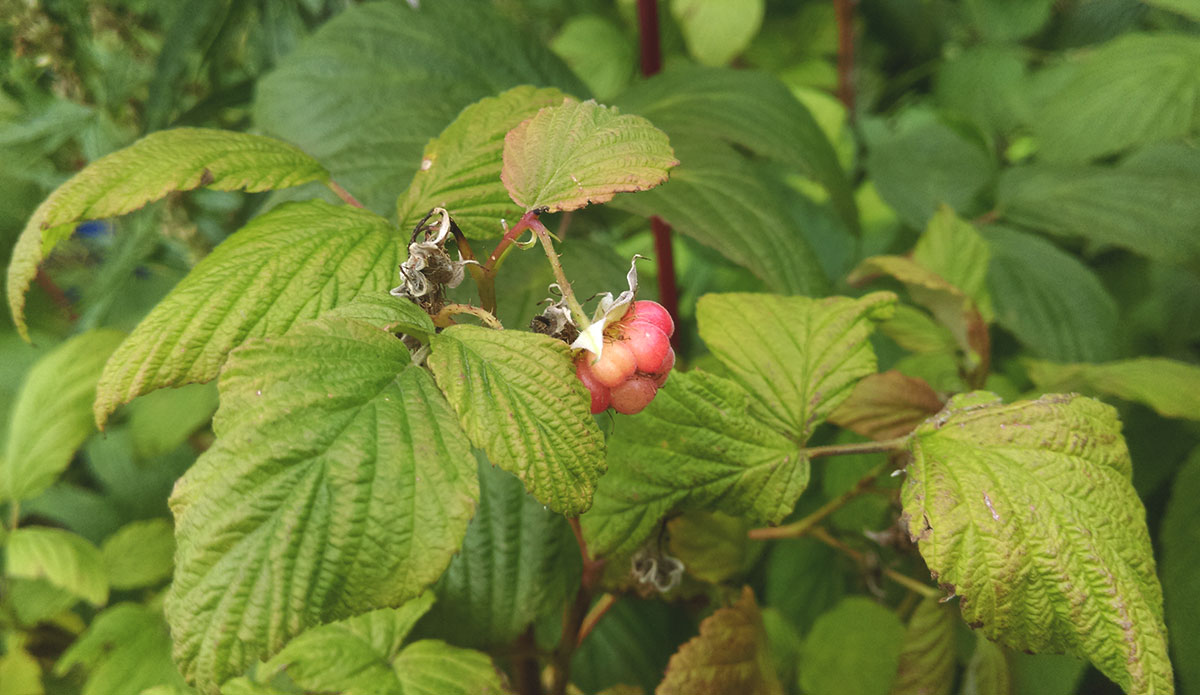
459 451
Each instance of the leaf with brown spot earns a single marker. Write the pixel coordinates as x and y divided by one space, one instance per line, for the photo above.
886 405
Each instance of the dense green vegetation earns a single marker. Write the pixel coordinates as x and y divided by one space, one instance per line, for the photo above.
930 428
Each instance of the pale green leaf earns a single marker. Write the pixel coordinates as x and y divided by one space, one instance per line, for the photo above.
728 657
853 649
51 418
697 446
149 169
20 673
916 331
928 658
365 647
1144 205
920 163
518 398
1028 512
285 266
1180 539
373 85
716 31
37 600
1170 387
1134 90
387 313
516 564
1187 8
62 558
569 156
432 667
799 357
988 671
717 198
598 51
124 651
750 109
954 249
139 554
339 483
162 420
1053 303
460 169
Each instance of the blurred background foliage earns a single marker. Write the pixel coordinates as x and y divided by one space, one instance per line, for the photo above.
1064 130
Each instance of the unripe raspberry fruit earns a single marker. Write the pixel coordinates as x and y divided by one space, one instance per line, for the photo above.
653 312
601 397
633 395
648 343
616 364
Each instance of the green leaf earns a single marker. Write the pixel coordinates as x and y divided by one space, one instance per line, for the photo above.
139 554
729 657
1170 387
20 672
1134 90
387 313
1008 20
712 546
1187 8
285 266
515 566
570 156
1054 304
125 650
460 169
928 658
517 396
432 667
1141 205
799 580
630 646
365 646
920 163
339 483
162 420
719 199
784 644
1028 512
50 419
1046 674
750 109
1180 539
853 649
421 66
697 446
886 405
60 557
952 248
716 31
149 169
988 672
598 51
799 357
988 84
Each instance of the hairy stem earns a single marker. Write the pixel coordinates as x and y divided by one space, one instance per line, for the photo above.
803 526
442 318
900 578
560 277
343 193
593 616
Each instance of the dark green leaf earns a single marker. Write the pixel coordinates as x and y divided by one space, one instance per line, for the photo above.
1181 571
853 649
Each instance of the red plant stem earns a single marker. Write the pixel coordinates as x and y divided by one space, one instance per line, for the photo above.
60 298
343 194
648 36
843 11
664 257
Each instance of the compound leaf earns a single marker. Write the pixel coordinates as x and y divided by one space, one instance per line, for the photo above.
697 446
52 417
1170 387
515 565
1028 512
149 169
517 396
717 198
569 156
729 657
928 657
799 357
339 483
750 109
62 558
853 649
370 88
460 169
285 266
